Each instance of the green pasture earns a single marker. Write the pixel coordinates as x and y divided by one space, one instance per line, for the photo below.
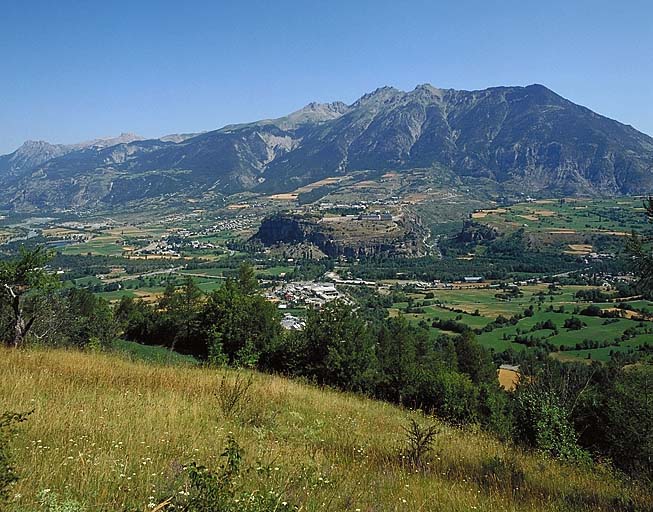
484 300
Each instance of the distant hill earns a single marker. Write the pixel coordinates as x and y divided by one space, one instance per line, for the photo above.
527 139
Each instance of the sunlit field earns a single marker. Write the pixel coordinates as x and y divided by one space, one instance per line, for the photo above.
114 432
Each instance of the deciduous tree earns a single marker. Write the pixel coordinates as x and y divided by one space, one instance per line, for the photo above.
21 278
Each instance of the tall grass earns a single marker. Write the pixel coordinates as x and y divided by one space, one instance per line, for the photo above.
113 433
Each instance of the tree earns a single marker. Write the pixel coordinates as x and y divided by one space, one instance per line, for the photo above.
543 422
340 350
182 306
642 255
136 318
397 360
629 412
247 281
237 324
90 319
21 278
474 360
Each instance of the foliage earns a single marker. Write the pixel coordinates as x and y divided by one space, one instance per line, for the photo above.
474 360
8 474
629 412
237 324
574 323
212 491
339 348
542 421
234 394
640 250
172 322
51 502
23 279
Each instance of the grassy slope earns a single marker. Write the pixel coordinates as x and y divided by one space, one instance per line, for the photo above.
110 432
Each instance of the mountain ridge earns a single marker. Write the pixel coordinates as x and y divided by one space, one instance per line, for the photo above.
526 138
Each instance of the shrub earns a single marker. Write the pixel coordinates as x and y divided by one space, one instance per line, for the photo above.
419 443
50 502
8 474
629 412
234 395
574 324
450 395
542 422
592 310
212 491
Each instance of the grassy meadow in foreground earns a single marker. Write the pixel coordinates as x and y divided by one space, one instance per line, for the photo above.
114 433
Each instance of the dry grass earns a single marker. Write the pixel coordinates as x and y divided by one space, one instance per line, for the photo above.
111 432
284 197
508 379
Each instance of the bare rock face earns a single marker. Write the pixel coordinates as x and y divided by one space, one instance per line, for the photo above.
349 238
525 139
476 232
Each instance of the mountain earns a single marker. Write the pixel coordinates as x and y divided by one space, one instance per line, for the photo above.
34 153
526 139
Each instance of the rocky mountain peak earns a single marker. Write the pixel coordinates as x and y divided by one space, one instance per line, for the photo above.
381 95
528 139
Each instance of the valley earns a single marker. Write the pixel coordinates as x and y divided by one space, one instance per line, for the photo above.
371 235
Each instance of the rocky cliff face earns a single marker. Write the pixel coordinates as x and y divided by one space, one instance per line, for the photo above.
359 239
527 139
474 232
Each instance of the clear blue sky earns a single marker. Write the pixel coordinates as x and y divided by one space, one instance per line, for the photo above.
74 70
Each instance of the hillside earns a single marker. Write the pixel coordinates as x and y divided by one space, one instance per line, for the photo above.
114 434
511 139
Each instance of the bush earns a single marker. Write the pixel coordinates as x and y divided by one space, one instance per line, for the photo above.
419 443
574 324
542 422
450 395
50 502
234 395
592 310
8 474
629 412
212 491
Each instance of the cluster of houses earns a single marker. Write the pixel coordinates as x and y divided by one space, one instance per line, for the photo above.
171 245
375 216
304 293
292 322
360 205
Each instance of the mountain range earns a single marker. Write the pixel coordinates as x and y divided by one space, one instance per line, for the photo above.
528 139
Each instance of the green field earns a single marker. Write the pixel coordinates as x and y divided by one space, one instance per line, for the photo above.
478 307
620 215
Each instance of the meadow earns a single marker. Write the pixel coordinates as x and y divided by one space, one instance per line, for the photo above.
478 307
114 431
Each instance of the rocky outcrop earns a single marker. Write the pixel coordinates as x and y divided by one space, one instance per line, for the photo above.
475 232
358 241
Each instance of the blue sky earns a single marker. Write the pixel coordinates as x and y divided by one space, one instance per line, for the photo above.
75 70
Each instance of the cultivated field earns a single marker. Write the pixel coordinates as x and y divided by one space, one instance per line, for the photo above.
478 307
